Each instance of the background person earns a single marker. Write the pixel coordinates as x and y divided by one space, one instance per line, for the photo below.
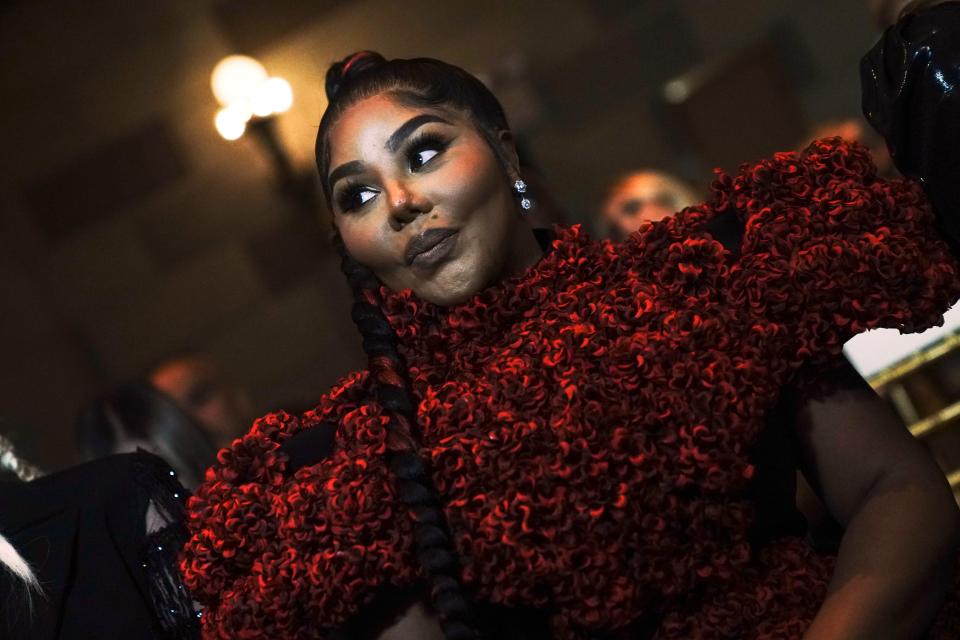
643 196
134 415
197 385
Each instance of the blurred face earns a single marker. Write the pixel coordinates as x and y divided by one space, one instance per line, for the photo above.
198 389
644 197
421 199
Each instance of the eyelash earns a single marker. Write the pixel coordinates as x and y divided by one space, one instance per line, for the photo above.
348 199
349 194
426 141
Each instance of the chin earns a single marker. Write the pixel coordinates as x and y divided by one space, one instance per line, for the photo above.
448 297
457 284
455 299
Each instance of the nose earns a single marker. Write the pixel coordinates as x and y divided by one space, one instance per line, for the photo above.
406 204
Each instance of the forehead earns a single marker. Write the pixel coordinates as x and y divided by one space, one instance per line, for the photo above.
643 185
364 128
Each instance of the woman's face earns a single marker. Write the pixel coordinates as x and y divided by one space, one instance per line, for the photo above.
644 197
421 199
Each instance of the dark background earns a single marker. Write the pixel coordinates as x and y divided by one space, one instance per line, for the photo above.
130 231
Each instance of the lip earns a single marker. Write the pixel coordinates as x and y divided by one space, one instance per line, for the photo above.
429 247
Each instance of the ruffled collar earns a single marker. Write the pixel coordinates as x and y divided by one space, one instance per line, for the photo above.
572 257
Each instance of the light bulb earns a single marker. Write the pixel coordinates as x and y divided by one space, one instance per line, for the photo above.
230 124
261 105
676 91
281 95
237 78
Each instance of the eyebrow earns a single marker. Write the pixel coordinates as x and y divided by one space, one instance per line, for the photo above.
344 170
393 143
403 131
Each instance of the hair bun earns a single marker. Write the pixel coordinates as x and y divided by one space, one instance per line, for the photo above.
340 73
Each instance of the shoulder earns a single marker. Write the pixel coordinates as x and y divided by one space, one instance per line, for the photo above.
795 175
247 495
256 457
832 186
112 479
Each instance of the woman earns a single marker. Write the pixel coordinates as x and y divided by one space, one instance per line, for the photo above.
565 438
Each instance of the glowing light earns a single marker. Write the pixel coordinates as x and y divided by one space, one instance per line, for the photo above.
237 78
676 91
281 95
274 96
243 109
261 105
230 124
242 86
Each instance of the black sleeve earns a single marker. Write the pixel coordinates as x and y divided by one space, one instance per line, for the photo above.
309 447
103 574
911 96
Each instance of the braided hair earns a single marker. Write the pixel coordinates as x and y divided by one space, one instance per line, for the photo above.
419 82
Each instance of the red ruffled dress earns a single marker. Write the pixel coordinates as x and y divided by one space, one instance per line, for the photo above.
589 423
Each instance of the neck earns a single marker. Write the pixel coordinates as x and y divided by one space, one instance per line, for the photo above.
525 251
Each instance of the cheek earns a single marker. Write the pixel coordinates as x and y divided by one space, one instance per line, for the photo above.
364 241
657 212
473 183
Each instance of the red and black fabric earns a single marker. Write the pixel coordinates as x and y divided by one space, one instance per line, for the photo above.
589 424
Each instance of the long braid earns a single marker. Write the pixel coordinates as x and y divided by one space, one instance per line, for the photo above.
426 83
433 544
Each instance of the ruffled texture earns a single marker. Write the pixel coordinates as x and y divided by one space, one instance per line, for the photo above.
588 423
272 556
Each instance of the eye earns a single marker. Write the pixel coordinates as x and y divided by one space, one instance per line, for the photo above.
424 149
354 196
423 157
667 201
631 207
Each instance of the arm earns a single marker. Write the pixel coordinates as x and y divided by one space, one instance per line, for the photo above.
901 520
902 524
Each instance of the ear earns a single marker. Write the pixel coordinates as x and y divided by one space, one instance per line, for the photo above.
508 152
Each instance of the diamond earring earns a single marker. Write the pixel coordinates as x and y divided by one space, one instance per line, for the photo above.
520 188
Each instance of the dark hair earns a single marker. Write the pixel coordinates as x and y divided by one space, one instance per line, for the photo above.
429 83
136 411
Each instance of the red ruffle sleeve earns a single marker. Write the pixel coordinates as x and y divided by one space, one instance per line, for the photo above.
831 250
259 538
